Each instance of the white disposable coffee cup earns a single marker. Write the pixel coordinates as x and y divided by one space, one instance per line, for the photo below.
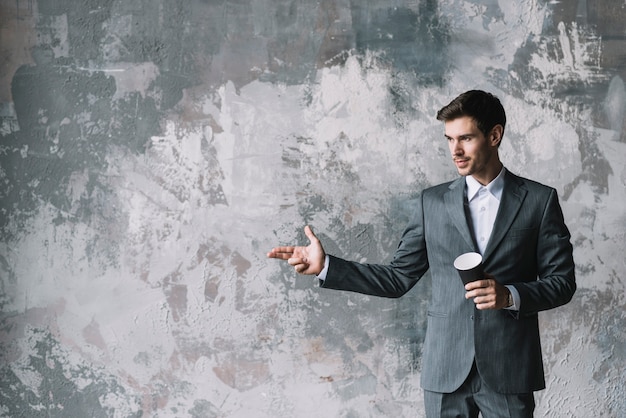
470 267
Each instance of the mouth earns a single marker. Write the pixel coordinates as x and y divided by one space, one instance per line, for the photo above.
461 162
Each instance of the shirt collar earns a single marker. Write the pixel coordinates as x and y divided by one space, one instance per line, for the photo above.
494 187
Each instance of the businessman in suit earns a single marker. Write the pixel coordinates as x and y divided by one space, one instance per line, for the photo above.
482 351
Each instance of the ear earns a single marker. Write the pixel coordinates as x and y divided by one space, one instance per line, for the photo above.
495 136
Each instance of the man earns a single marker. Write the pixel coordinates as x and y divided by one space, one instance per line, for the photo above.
482 351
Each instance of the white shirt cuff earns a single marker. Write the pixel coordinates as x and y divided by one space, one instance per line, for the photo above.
324 272
516 298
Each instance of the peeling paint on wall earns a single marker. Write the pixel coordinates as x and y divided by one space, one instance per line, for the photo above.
150 155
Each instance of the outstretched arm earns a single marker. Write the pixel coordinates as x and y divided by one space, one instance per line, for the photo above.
305 260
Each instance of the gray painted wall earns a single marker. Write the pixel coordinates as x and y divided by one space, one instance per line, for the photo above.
151 152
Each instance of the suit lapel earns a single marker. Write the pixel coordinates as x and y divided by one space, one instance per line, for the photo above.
512 197
454 200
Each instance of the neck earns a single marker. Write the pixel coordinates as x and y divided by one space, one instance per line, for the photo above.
489 175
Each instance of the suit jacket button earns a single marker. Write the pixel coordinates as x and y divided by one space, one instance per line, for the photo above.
472 317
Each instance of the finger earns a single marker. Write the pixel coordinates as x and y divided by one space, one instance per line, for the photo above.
289 249
485 306
309 233
472 285
294 261
281 252
478 284
471 289
479 304
274 254
301 268
471 295
280 256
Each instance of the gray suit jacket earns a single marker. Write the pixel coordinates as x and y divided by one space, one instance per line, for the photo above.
529 248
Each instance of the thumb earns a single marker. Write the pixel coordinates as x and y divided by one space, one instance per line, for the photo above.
309 233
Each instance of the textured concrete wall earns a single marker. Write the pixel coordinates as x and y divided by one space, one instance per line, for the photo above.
151 152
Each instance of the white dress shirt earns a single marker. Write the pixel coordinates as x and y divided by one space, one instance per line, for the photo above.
484 202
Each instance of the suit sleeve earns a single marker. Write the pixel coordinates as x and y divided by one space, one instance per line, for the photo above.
556 281
409 264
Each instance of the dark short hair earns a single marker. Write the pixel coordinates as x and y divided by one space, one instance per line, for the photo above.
483 107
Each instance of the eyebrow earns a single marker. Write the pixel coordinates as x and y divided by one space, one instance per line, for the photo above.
468 135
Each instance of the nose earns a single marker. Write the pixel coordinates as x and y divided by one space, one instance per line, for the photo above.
456 148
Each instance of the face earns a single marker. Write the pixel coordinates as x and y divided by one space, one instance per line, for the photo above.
474 154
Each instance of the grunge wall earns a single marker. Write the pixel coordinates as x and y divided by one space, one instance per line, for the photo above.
152 152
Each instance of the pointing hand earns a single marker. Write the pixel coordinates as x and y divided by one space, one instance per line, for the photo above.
305 260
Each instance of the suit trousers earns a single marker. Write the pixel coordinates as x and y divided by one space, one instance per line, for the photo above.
475 396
